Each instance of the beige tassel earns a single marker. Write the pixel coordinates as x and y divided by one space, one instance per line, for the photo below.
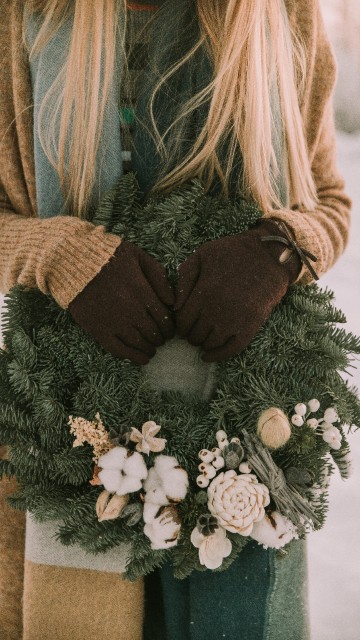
273 428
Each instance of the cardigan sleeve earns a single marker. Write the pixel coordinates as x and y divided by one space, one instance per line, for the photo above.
324 230
59 255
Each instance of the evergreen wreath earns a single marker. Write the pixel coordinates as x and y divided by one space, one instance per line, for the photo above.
92 445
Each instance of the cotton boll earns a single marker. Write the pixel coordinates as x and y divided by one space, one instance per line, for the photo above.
113 459
129 484
164 463
275 532
164 530
175 484
153 480
135 465
157 496
111 479
150 512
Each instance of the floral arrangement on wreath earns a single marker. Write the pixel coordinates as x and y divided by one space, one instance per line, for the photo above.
94 447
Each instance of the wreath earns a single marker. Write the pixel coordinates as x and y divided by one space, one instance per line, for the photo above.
177 477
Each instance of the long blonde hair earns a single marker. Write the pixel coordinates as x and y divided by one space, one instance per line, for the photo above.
251 46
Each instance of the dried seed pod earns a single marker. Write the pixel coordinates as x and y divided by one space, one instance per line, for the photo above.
273 428
110 509
233 454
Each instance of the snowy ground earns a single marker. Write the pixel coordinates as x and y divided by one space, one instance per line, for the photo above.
334 552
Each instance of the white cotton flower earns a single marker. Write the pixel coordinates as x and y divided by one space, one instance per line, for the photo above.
333 437
300 409
113 459
150 511
122 472
297 420
111 479
212 549
154 489
163 530
314 405
274 531
330 415
174 479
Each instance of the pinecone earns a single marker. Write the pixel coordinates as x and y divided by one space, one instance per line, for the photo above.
207 524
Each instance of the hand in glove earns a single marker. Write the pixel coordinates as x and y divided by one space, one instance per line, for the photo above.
125 307
228 287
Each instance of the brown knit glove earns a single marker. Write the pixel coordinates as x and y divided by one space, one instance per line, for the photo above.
228 287
125 307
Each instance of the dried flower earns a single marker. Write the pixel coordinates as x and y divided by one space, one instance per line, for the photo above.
273 428
213 548
146 440
237 501
92 432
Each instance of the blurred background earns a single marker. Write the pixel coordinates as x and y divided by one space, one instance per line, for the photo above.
334 552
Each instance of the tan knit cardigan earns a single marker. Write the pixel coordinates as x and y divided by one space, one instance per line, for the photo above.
60 255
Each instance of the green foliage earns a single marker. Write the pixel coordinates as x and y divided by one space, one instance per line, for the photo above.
51 369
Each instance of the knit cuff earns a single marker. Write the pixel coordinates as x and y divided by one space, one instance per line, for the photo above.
80 252
307 235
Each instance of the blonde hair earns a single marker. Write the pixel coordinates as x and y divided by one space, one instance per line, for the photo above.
251 46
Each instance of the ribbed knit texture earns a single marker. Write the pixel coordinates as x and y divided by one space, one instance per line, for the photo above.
59 255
